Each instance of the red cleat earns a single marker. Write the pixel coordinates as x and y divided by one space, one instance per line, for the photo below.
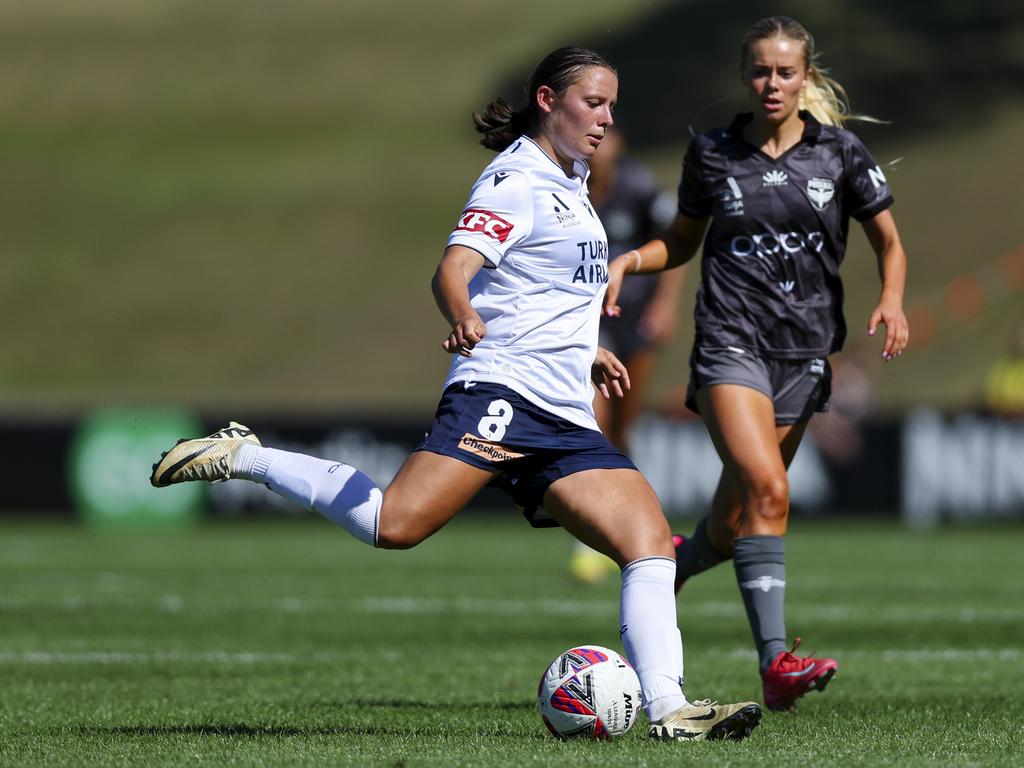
790 676
677 542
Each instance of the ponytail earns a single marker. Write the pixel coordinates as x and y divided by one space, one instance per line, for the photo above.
501 125
826 99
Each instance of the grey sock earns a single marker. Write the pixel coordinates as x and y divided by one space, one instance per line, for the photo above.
760 563
697 555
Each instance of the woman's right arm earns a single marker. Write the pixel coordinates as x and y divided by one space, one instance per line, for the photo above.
458 267
673 248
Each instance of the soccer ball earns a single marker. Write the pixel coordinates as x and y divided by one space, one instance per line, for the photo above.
589 692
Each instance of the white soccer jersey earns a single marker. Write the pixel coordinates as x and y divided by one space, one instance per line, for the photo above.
541 290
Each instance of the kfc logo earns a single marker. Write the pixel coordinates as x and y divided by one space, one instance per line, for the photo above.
477 220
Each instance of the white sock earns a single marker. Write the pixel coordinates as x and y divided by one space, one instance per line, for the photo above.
337 491
650 635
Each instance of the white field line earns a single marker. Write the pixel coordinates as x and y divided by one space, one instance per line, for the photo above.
901 614
390 656
241 658
898 614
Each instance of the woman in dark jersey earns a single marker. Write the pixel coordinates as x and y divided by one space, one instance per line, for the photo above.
774 193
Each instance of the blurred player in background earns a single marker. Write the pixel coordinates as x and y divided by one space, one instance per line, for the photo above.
838 432
778 188
521 283
633 209
1004 384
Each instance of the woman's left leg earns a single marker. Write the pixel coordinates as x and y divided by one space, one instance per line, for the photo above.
616 512
756 454
741 423
712 538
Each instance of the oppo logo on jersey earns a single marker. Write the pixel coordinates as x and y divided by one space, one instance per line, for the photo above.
770 243
486 223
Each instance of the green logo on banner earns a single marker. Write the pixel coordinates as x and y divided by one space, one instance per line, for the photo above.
110 460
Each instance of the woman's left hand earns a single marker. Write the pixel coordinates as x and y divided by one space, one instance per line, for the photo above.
609 374
897 331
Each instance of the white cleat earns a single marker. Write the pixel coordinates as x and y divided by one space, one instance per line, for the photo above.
707 720
208 458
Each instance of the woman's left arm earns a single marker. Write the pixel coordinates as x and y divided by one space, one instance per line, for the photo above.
892 268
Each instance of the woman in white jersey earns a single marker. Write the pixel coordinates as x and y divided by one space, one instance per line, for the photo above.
521 283
775 192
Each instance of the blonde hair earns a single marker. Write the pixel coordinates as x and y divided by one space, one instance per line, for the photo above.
822 96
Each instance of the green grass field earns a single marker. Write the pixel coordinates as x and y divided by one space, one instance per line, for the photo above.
289 644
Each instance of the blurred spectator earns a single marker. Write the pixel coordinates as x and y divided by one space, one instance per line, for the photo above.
1004 386
837 432
632 209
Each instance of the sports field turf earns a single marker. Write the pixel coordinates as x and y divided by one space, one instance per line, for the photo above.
289 644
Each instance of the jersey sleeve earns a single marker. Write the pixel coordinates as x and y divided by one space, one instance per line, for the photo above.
694 200
866 190
498 216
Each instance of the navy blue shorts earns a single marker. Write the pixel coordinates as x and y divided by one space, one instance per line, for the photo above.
493 428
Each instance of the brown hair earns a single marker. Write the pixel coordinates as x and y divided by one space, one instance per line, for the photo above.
822 96
501 125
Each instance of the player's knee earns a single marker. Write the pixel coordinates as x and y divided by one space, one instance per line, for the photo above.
397 538
652 540
768 497
398 532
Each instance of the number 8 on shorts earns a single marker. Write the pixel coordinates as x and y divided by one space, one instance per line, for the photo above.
493 427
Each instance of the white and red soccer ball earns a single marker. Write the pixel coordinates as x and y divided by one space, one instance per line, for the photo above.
590 692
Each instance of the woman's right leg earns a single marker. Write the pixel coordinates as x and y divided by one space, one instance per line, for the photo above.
425 494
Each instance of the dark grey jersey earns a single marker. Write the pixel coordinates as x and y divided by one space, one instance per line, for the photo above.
770 272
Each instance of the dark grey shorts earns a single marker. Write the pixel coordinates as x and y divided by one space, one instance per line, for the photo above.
798 388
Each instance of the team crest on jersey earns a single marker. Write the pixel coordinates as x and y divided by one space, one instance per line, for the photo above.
486 223
821 192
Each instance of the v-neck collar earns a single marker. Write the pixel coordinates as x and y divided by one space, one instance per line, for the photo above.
812 129
580 168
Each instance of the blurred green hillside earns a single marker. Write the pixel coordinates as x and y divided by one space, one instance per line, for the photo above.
242 203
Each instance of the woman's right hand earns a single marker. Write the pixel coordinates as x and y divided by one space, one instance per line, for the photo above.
466 334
